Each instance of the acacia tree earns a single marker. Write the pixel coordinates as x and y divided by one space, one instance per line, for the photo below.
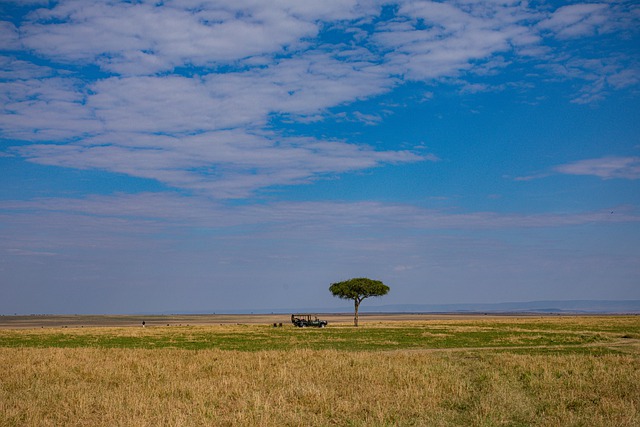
358 289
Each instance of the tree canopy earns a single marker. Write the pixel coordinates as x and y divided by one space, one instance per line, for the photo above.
358 289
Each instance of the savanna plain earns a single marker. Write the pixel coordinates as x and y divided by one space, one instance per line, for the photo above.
390 371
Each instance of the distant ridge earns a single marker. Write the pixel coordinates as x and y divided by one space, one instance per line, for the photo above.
574 306
542 307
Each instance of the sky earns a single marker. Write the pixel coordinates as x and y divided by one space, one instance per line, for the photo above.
211 155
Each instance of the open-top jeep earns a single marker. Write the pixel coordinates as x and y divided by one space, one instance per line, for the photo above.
305 320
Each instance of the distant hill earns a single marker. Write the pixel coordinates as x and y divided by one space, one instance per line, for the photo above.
548 307
575 306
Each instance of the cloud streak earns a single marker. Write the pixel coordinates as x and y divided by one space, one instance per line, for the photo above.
610 167
134 245
285 217
226 164
605 168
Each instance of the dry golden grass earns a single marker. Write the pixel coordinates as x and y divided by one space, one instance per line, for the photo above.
170 387
596 383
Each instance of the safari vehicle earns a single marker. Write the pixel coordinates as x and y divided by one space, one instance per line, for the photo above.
307 320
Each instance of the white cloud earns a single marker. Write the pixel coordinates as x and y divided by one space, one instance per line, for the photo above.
175 129
588 19
15 69
605 167
9 39
28 2
223 164
601 73
623 78
178 129
610 167
45 109
577 20
207 129
141 38
441 39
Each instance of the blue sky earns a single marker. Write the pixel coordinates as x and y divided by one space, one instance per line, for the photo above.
213 155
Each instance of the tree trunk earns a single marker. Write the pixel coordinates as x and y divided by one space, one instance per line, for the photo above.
355 319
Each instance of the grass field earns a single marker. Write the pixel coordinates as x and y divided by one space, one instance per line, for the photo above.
548 371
